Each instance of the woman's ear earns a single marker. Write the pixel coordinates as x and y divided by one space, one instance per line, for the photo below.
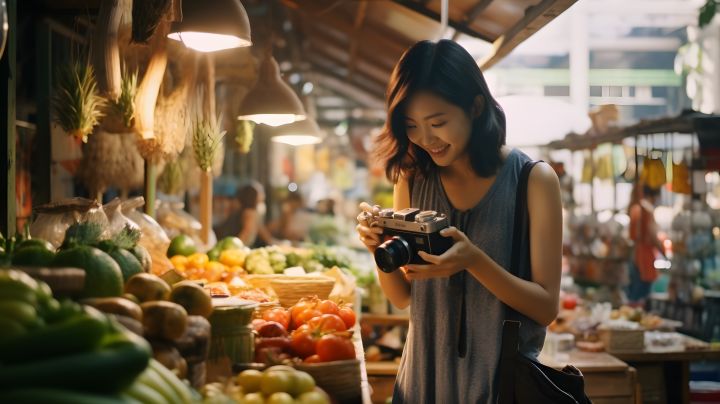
478 107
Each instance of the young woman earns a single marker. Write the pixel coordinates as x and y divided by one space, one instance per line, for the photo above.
443 146
245 223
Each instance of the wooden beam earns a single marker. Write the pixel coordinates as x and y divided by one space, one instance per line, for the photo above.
337 53
332 53
42 156
475 12
419 8
359 17
535 18
326 77
8 79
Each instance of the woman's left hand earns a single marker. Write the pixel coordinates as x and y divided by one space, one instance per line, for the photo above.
460 256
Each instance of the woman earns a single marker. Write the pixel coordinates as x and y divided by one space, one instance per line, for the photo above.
443 146
245 223
643 231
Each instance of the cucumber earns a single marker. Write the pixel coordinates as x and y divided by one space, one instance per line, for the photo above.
172 380
145 394
81 333
48 396
104 371
154 381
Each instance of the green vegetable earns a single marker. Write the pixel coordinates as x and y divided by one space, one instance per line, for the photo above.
229 243
214 254
22 312
88 233
127 238
109 370
81 333
145 394
258 262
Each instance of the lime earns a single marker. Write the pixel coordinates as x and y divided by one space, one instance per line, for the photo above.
274 381
103 277
143 257
214 254
249 380
36 242
181 245
280 398
253 398
229 242
34 256
304 383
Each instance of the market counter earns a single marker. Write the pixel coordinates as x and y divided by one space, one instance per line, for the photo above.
665 377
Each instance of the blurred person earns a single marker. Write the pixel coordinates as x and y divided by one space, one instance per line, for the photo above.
644 232
294 219
245 223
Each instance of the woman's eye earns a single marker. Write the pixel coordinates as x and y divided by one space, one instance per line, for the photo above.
439 125
409 127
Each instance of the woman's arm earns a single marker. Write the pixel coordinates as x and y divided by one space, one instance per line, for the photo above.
249 224
537 299
395 285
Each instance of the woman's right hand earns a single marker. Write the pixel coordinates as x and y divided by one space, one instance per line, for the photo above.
370 236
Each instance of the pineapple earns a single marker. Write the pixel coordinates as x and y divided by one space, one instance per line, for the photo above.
124 107
206 139
77 103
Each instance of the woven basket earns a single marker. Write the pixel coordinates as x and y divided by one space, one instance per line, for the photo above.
622 340
341 379
263 307
290 291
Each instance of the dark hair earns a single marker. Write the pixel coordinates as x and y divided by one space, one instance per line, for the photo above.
447 70
649 192
248 196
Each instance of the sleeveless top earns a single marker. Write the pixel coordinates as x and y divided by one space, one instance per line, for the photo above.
452 350
232 226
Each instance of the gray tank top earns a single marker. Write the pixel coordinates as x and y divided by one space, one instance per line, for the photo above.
453 346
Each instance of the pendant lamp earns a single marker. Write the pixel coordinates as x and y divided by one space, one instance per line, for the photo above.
271 100
212 25
298 133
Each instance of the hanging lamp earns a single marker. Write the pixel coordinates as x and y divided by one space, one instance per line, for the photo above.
271 100
298 133
212 25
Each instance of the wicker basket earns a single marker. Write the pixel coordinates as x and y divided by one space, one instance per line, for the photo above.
290 291
622 340
263 307
341 379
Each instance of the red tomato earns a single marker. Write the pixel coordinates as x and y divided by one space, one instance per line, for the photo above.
278 315
328 307
348 316
257 323
333 347
303 343
300 329
306 316
327 322
312 359
272 329
302 305
569 302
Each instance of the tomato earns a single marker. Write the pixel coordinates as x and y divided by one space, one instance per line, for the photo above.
267 355
278 315
348 316
272 329
306 316
257 323
327 322
328 307
300 329
334 347
283 343
569 302
302 305
304 343
312 359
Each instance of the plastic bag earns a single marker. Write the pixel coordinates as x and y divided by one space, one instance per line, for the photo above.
176 221
116 220
154 237
54 218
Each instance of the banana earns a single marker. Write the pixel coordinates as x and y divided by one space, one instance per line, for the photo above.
23 312
13 290
153 380
145 394
171 379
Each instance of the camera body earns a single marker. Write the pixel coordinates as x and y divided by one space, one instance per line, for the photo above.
407 232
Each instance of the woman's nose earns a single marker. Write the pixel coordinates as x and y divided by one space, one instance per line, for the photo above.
427 138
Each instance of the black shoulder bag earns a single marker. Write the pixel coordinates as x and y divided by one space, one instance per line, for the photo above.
524 381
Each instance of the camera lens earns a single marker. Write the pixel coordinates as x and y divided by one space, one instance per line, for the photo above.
393 254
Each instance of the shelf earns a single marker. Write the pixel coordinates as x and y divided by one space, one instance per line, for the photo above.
385 319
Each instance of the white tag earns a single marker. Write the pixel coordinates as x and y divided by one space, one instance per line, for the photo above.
294 271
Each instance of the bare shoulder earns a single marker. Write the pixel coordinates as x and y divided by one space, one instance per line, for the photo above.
543 181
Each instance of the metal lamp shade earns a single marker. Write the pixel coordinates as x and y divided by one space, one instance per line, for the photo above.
211 25
271 101
298 133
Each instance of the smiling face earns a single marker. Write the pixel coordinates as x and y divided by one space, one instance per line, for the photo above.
439 127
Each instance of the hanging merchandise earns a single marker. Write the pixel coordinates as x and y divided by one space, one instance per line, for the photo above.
122 110
171 180
604 161
681 179
653 173
146 16
77 103
243 137
587 171
206 141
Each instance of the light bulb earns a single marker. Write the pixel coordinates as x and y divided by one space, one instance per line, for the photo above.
206 42
296 140
273 119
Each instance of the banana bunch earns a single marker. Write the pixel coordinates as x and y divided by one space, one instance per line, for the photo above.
158 385
22 298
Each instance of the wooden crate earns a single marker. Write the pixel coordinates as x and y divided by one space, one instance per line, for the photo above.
622 340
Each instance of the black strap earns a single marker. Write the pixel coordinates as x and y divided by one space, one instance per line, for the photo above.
519 259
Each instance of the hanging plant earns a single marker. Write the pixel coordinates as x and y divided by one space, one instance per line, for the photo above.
206 138
77 103
243 136
124 107
171 180
146 16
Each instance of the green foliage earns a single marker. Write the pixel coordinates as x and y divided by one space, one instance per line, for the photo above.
124 107
127 238
707 12
88 233
206 139
77 103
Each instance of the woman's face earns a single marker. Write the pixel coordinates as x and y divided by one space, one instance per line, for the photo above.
441 128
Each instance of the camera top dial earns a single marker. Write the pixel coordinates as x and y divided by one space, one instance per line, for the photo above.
426 216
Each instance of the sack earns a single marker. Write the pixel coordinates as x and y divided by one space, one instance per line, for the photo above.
523 381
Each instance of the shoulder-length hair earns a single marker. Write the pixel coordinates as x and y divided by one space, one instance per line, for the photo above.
447 70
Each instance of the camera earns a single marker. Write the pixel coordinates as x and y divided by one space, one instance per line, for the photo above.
407 232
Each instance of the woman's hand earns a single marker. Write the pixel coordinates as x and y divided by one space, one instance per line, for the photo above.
462 255
369 235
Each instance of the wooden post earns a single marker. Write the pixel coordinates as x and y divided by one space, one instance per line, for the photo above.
149 189
7 125
206 196
42 154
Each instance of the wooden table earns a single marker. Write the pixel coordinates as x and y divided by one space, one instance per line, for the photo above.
360 354
608 380
665 377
